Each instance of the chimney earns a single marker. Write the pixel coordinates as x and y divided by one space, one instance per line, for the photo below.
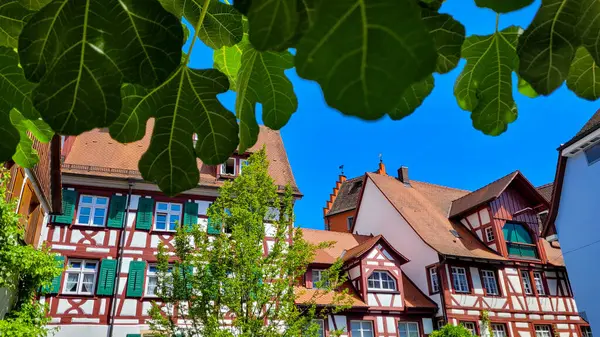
381 169
403 175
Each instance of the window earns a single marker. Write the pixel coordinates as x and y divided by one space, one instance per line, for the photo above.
489 234
361 328
433 280
586 331
498 330
243 163
526 282
321 324
489 282
519 241
319 275
471 327
81 276
440 324
92 210
408 329
543 331
592 153
228 167
168 215
152 280
349 222
381 280
459 280
539 283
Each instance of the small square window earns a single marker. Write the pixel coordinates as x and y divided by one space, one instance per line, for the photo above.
228 167
92 210
319 276
168 215
471 326
543 331
489 234
243 163
592 153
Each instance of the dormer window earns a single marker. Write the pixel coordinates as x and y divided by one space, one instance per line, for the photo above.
519 242
381 280
228 167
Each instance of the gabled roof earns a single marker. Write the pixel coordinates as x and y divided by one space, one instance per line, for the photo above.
358 251
325 298
546 191
430 222
492 191
350 246
347 197
483 195
95 153
590 126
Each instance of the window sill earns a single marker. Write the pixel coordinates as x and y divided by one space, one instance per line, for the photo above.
163 232
462 292
383 291
73 295
88 227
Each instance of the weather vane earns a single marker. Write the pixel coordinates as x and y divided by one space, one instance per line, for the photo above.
380 158
342 169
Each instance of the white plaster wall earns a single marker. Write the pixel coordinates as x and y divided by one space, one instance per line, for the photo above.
7 298
377 216
577 225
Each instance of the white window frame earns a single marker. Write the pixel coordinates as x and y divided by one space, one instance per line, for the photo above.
319 273
379 279
527 286
409 327
321 323
235 168
242 163
433 279
349 222
365 326
153 274
543 330
490 284
168 213
457 285
92 206
538 279
498 330
471 326
489 234
81 271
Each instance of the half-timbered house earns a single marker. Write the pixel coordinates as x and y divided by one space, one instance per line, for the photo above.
475 254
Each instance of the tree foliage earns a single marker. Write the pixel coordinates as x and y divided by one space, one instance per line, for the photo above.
23 271
84 64
450 330
231 279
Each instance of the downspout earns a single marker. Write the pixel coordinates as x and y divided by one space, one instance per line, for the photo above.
120 240
444 315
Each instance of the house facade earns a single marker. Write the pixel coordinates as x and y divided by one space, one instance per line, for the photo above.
474 254
112 223
572 219
384 300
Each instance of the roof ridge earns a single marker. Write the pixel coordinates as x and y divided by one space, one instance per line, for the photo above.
545 185
488 184
442 186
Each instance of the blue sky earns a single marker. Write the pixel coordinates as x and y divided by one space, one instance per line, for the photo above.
437 142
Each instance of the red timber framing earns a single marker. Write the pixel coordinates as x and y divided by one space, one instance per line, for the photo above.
97 243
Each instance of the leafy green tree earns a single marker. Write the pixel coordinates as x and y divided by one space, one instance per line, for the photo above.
84 64
224 274
450 330
23 271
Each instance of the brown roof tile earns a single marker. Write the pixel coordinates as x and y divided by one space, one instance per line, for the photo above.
429 222
95 153
554 254
439 196
413 297
485 194
546 191
341 242
590 126
324 298
347 197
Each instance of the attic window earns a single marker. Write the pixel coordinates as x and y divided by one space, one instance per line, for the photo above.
593 153
228 167
355 187
455 233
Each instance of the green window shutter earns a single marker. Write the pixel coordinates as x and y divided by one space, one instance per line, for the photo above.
135 280
116 211
106 278
69 199
54 288
213 228
190 217
144 213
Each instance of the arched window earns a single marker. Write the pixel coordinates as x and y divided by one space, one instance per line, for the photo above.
381 280
519 241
